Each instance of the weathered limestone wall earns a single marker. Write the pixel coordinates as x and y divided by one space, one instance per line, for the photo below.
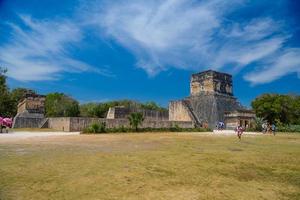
59 123
79 123
111 113
22 107
178 112
243 118
211 82
32 104
26 122
30 112
123 113
210 108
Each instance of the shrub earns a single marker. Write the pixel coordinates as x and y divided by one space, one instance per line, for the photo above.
135 120
175 128
101 128
288 128
96 128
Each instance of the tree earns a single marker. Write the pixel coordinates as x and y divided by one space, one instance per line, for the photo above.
152 106
135 120
277 108
61 105
6 103
94 110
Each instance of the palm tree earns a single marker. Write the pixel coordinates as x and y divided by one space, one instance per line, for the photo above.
135 120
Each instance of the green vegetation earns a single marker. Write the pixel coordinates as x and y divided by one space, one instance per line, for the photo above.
9 99
101 109
135 119
151 166
61 105
283 109
98 128
6 102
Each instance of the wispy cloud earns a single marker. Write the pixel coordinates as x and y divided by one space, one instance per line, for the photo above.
286 62
196 35
162 34
38 50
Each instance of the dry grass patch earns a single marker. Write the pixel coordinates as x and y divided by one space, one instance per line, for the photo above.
151 166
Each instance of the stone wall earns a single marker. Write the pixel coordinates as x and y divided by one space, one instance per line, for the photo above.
178 112
32 104
79 123
120 112
210 108
27 122
22 107
211 82
59 123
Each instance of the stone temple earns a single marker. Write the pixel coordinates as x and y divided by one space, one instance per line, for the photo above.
211 101
31 109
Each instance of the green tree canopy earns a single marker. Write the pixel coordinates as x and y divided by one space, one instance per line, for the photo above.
152 106
6 103
101 109
61 105
275 107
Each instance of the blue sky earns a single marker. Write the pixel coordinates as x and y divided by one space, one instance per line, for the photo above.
100 50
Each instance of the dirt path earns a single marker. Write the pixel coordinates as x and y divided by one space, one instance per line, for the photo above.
13 136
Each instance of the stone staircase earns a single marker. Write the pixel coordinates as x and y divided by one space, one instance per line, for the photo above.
192 114
44 123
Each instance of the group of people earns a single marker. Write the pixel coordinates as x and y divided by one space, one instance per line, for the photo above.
5 123
268 128
220 125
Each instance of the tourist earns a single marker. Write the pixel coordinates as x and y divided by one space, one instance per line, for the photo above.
273 128
264 127
239 131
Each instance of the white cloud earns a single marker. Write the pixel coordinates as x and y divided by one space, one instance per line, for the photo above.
192 35
38 50
287 62
185 34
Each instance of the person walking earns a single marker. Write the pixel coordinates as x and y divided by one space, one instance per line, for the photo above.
239 130
273 128
264 127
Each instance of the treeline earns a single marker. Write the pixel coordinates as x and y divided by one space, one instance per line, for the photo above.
100 109
62 105
282 110
278 108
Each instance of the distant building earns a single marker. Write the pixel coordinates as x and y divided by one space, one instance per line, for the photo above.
30 108
211 101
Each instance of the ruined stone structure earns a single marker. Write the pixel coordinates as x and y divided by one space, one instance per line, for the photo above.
211 101
211 98
79 123
239 118
31 111
121 112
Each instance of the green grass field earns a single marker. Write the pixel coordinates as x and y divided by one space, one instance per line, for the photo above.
151 166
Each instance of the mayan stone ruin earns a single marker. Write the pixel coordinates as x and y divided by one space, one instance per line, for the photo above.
211 101
30 109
